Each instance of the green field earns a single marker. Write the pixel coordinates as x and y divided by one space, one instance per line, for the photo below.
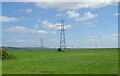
74 61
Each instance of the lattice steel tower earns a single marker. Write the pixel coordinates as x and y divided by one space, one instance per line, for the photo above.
42 46
62 36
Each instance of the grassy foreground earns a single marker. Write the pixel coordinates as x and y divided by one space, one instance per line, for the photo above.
74 61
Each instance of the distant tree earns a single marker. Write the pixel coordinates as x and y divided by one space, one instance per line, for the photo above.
4 54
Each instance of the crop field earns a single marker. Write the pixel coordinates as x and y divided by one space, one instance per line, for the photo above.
73 61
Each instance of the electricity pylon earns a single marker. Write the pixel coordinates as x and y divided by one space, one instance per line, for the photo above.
42 43
62 36
95 44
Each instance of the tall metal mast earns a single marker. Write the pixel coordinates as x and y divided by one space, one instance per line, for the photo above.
62 36
95 44
42 43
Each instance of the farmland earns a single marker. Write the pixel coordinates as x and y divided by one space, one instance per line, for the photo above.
74 61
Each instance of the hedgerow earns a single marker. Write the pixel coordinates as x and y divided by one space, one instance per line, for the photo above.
4 54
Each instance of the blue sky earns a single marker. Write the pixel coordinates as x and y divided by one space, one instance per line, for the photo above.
25 23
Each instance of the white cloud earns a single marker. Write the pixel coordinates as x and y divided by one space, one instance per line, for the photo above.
10 19
106 37
36 26
26 10
59 14
91 24
112 37
102 40
73 14
75 5
117 14
92 40
116 35
39 20
87 16
60 0
39 32
46 24
22 29
54 32
14 41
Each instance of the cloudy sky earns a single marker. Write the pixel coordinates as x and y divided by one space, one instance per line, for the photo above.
87 23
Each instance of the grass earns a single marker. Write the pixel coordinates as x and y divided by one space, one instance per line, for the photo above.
74 61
